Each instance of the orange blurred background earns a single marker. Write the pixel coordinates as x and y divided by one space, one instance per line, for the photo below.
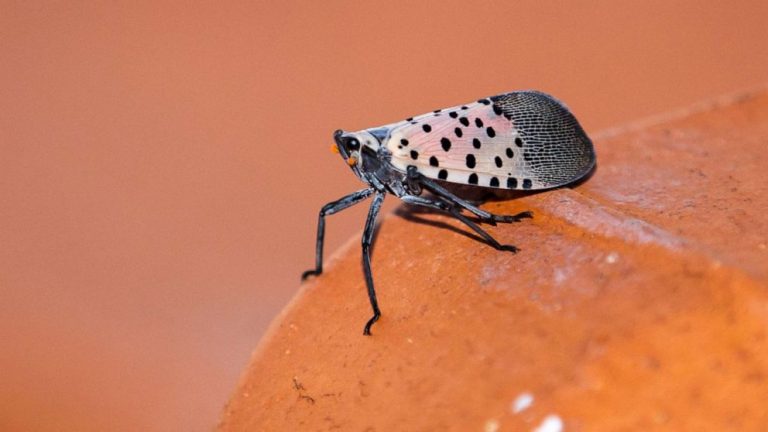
162 164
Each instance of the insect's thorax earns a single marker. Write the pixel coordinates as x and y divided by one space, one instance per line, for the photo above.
372 163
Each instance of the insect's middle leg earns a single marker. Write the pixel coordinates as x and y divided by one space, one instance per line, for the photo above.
482 214
327 210
370 224
455 212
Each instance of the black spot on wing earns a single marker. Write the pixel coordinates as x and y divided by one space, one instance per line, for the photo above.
445 143
471 160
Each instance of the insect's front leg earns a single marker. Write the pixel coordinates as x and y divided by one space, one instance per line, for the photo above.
329 209
370 224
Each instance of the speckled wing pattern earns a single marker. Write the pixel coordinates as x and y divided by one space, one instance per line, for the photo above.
518 140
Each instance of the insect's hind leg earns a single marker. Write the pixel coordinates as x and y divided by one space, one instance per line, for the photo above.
327 210
482 214
445 206
492 241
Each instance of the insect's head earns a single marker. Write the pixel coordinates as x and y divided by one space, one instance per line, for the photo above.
354 147
348 146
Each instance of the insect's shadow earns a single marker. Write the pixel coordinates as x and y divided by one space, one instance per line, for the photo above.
413 214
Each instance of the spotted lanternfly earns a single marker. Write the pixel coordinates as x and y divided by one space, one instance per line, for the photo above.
521 140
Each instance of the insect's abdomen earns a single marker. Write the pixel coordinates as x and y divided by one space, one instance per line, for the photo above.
555 149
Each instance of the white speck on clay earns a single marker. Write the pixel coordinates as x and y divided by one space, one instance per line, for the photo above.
551 423
612 258
522 402
561 275
491 425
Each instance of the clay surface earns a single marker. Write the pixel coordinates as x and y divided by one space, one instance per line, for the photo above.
162 165
638 302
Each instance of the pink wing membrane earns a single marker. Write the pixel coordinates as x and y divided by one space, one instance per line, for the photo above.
467 144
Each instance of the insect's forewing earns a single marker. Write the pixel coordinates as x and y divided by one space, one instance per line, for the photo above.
518 140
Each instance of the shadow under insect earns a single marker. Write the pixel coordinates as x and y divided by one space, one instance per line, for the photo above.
413 213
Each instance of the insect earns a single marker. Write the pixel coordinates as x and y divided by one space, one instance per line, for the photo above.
520 140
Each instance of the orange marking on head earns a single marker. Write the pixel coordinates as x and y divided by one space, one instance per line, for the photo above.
352 161
334 148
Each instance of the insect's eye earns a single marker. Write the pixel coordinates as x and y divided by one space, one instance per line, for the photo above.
353 144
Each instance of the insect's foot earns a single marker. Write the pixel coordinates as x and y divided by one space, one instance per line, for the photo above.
514 218
367 330
509 248
309 273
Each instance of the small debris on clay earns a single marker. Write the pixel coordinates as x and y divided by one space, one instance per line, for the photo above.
297 385
307 398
